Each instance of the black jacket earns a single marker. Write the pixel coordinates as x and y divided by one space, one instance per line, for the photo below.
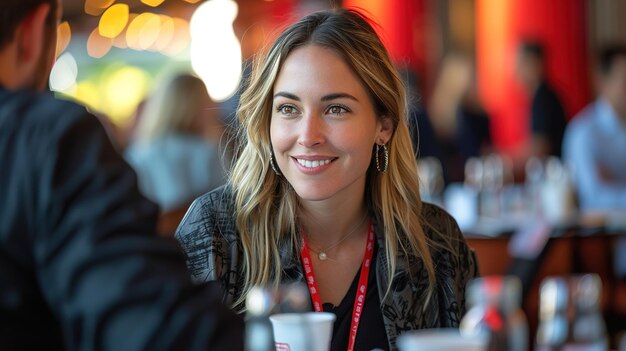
209 237
80 265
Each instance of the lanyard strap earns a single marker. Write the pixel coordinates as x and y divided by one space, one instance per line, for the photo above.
359 299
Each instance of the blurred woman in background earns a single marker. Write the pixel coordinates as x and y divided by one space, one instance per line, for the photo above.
176 151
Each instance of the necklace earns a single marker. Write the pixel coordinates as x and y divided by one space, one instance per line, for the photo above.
321 253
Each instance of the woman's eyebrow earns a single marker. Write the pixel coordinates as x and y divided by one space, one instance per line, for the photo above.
328 97
334 96
287 95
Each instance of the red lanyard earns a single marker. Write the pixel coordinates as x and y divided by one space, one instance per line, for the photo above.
359 299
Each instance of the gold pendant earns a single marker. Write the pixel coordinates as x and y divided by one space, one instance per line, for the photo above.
322 256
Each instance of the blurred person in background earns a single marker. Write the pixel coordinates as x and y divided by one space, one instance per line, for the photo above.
459 121
80 265
547 116
425 142
177 150
595 140
325 190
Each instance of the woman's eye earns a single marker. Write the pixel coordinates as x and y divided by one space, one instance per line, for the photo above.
337 110
286 109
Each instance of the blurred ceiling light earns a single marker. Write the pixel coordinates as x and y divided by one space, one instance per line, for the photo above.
215 50
180 39
153 3
64 35
113 20
166 33
124 88
97 45
143 31
96 7
64 73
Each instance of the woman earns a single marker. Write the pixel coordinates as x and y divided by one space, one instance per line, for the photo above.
176 151
326 179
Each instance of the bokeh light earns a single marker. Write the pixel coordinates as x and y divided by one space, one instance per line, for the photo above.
96 7
64 35
87 93
180 39
97 45
143 31
122 89
64 73
113 20
166 33
153 3
215 50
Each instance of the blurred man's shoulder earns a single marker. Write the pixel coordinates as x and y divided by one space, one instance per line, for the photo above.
28 109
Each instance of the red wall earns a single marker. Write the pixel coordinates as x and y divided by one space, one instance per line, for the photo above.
500 25
403 28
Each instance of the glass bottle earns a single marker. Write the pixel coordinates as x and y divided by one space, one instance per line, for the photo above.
495 313
259 333
570 318
553 324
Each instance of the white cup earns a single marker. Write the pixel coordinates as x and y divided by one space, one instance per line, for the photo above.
446 339
310 331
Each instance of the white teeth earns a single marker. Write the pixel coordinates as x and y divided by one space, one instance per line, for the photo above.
312 164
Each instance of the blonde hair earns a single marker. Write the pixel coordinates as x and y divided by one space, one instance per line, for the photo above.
265 203
172 108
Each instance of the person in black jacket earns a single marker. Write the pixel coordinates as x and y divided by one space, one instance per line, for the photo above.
547 115
80 265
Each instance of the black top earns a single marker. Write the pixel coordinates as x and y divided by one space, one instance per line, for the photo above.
371 333
80 265
548 117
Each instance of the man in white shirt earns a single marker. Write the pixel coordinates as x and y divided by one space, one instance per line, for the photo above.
595 140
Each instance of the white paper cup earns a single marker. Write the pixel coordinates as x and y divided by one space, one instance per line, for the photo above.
446 339
311 331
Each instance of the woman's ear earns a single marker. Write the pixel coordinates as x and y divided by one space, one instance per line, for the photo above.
30 36
385 130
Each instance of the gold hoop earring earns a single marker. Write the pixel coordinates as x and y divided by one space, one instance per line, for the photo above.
274 164
385 157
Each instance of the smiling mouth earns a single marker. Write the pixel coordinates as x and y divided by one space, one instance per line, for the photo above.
313 164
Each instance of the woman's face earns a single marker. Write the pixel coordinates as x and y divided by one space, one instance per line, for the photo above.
323 125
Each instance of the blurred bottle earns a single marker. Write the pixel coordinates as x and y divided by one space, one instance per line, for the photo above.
260 303
557 194
570 318
550 190
492 183
535 176
431 179
495 313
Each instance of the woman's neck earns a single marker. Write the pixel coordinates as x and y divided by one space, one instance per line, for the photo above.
325 225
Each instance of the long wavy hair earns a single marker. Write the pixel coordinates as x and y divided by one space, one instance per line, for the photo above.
266 205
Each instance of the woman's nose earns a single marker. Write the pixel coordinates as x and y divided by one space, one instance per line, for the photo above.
312 131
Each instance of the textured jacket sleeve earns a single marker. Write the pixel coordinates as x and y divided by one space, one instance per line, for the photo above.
111 283
208 236
455 265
